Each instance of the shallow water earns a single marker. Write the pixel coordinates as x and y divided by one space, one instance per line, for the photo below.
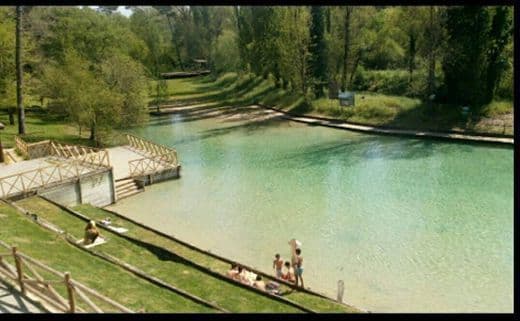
409 225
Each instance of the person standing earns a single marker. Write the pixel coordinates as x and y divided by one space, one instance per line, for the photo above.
278 265
298 267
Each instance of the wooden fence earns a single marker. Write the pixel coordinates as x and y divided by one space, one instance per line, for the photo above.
32 150
24 272
29 181
89 155
158 157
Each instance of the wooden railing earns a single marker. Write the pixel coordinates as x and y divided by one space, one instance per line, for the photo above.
150 165
24 272
94 156
158 157
32 150
151 147
21 146
32 180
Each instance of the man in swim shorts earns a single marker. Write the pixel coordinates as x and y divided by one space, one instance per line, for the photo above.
298 267
278 265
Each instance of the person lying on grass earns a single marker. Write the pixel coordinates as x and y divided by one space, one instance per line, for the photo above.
233 273
259 283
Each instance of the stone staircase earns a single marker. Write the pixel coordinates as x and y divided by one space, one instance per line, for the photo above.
126 187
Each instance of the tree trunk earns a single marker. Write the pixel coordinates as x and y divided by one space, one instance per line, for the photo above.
327 16
354 68
411 58
431 61
93 132
19 73
348 11
175 44
11 112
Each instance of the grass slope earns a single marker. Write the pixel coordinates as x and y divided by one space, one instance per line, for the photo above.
104 277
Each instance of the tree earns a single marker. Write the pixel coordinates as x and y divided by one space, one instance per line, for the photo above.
346 45
19 72
472 64
318 50
499 35
7 62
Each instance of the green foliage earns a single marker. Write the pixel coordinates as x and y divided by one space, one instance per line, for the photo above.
318 49
226 56
474 61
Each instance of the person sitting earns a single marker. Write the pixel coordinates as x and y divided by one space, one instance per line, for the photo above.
91 233
258 283
289 274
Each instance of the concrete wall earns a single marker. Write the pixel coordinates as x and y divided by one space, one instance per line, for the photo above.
162 176
66 194
96 189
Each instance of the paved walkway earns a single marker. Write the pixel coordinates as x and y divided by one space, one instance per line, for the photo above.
12 301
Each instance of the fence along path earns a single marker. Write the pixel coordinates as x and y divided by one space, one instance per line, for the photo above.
24 272
72 162
157 157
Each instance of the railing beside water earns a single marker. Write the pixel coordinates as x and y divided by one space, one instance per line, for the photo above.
159 157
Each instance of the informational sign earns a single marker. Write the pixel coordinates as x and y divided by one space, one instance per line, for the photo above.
346 98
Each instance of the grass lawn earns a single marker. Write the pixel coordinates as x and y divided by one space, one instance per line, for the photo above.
161 264
41 126
104 277
370 108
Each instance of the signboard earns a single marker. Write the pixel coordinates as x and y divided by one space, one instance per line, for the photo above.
346 98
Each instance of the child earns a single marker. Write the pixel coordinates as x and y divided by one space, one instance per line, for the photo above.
278 265
289 275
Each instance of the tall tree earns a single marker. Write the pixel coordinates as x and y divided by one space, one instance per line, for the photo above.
476 39
346 45
318 50
19 71
500 33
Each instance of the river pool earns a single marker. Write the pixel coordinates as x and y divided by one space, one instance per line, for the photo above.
409 225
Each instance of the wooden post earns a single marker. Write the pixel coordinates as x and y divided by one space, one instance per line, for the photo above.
19 270
341 288
70 291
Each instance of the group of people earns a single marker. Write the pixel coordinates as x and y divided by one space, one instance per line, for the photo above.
290 271
246 277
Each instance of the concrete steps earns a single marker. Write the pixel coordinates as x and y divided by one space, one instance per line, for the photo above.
127 187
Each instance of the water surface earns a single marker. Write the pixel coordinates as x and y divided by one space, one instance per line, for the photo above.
409 225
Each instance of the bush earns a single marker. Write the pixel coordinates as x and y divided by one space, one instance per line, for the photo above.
391 82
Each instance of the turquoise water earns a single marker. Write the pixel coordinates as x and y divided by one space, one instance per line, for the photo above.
408 225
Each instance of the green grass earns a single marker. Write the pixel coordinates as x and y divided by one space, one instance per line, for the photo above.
41 126
104 277
370 108
169 268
